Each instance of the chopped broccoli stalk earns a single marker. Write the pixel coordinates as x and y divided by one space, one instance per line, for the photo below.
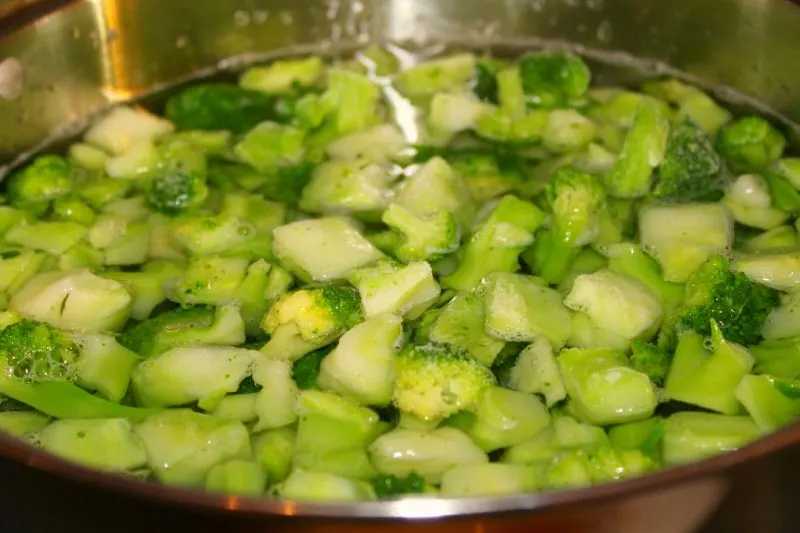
436 75
52 237
140 162
72 209
749 201
603 388
643 150
219 106
276 402
489 174
211 280
305 320
347 187
283 76
584 333
206 235
539 450
690 168
273 449
305 371
776 269
436 187
451 113
650 360
551 79
643 435
146 286
107 444
124 127
636 308
778 358
784 195
433 382
323 249
567 131
105 366
683 237
536 371
750 143
692 436
550 257
379 144
24 425
181 376
692 103
270 146
424 237
461 325
629 260
498 125
237 477
302 485
388 486
101 192
738 305
485 480
361 366
775 239
783 321
569 433
17 268
576 199
490 429
87 156
182 446
404 290
402 452
521 308
75 299
708 378
768 405
47 178
153 336
353 100
497 244
240 406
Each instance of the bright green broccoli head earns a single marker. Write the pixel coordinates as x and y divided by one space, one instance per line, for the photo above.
425 238
146 338
219 106
176 191
35 351
575 198
47 178
552 78
690 168
317 313
435 381
651 360
750 143
737 304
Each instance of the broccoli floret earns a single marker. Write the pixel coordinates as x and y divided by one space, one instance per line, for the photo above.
484 85
651 360
306 369
219 106
575 198
434 382
424 237
305 320
551 79
33 188
176 191
738 305
750 143
690 167
389 486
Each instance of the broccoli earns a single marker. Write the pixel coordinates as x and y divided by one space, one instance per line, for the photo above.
750 143
270 146
575 198
305 320
435 381
690 168
47 178
405 290
38 364
305 370
176 191
749 200
425 238
347 187
782 192
643 150
497 244
552 79
778 358
124 127
488 173
567 131
203 235
737 304
650 360
219 106
72 209
282 76
436 75
484 85
388 486
549 257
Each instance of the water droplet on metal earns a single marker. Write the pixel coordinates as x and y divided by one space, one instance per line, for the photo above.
12 77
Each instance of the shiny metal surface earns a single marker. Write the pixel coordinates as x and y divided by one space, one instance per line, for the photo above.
78 56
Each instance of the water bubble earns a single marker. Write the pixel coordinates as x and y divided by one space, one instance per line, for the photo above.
241 18
181 41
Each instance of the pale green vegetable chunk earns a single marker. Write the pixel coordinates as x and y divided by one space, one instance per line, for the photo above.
108 444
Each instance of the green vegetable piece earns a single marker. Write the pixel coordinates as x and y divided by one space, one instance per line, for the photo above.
72 209
353 100
218 106
176 191
282 76
461 325
75 299
305 370
402 452
105 366
47 178
140 161
23 424
151 336
778 358
347 187
392 486
436 75
777 269
182 446
273 449
750 143
405 290
240 406
690 437
451 113
210 280
424 237
536 371
16 268
181 376
690 168
124 127
603 388
269 146
643 150
576 199
567 131
708 379
51 237
550 79
433 382
505 418
236 477
276 403
644 435
87 156
305 320
571 434
520 308
549 257
650 360
497 244
379 144
492 479
107 444
302 485
101 192
775 239
362 366
585 333
783 321
540 449
766 403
